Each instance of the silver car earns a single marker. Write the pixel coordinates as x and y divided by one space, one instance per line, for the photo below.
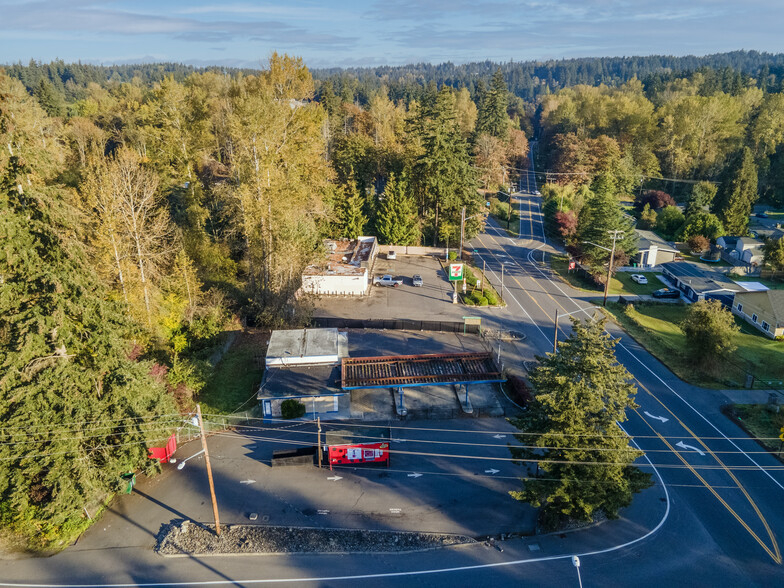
417 280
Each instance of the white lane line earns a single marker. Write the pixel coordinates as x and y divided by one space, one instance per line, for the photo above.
670 388
388 574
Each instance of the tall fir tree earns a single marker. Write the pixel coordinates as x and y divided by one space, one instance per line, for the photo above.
571 430
493 118
353 219
397 222
737 193
601 214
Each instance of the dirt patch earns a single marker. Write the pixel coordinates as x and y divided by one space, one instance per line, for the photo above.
189 538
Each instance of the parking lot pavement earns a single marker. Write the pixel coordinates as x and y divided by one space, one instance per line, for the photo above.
431 301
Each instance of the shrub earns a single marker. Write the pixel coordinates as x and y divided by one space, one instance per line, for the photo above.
491 297
452 255
698 243
292 409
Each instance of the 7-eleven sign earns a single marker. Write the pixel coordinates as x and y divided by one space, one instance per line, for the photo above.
455 271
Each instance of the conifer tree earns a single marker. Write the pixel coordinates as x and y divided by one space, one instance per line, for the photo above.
397 221
353 219
493 118
737 193
571 431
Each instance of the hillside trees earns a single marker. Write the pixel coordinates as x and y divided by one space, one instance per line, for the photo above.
279 177
710 330
64 360
397 222
583 458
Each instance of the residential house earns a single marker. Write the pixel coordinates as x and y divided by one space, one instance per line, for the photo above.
764 310
737 250
653 250
698 284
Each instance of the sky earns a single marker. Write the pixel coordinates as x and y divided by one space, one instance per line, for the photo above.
354 33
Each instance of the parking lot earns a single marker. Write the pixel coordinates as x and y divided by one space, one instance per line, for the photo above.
433 300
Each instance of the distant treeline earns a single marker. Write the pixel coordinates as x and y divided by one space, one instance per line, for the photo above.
727 72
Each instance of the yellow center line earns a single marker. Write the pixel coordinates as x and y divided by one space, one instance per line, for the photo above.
777 556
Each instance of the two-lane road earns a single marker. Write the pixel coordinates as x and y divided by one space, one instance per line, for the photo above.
731 489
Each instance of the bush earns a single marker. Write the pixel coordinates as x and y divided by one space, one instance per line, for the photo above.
491 297
452 255
698 243
292 409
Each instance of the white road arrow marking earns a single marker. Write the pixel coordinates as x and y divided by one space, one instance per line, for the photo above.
398 440
414 475
395 510
682 445
247 481
658 418
323 512
492 471
499 436
334 478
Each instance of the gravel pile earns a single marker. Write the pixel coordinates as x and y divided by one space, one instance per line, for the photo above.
187 537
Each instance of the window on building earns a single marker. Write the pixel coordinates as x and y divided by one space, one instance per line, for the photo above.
754 318
740 308
765 326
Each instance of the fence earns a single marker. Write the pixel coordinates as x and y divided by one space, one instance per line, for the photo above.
397 324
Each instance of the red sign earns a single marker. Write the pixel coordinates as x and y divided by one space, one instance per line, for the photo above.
358 453
572 264
164 453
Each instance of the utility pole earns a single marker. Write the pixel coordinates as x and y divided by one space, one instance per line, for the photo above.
502 280
209 471
615 235
318 420
555 336
462 228
484 277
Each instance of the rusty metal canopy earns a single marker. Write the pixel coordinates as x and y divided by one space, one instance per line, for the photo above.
401 371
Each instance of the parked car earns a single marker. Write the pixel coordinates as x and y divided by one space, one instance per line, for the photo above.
639 278
391 255
417 280
761 215
667 293
387 280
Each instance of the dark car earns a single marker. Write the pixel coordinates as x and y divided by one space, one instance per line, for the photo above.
666 293
761 215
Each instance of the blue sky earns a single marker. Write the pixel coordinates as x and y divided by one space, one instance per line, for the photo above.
378 32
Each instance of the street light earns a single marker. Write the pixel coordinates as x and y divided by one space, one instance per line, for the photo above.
615 235
576 564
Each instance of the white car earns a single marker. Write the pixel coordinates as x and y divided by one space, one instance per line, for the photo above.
417 281
391 255
639 278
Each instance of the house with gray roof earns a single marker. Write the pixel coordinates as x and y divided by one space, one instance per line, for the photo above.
698 284
653 250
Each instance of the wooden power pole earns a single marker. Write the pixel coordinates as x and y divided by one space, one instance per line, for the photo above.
209 471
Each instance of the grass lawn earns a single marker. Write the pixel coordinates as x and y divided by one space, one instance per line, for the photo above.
237 377
763 425
696 259
621 283
655 326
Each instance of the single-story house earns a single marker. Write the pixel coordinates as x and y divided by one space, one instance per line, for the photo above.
743 249
764 310
652 249
346 270
698 284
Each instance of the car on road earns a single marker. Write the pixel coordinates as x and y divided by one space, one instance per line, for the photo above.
761 215
666 293
417 281
639 278
537 193
391 255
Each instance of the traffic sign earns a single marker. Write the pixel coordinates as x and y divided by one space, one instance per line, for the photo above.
455 271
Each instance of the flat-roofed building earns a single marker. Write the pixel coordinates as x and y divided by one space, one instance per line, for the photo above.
346 269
